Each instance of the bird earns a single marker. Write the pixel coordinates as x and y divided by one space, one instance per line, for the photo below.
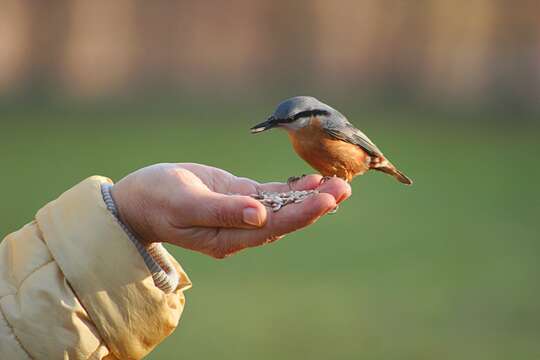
327 141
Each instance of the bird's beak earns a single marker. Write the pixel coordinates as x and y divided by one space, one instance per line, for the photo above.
265 125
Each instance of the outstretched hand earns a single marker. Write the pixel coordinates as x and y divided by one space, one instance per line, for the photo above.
209 210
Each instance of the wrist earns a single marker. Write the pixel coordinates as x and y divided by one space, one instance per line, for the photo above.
154 255
122 211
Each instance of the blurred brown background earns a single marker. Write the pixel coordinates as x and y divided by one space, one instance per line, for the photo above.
449 52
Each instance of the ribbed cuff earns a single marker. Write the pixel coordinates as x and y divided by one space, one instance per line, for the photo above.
155 256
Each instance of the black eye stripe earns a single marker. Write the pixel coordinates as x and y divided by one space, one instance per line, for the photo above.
310 113
303 114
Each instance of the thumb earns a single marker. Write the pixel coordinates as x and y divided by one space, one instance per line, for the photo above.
228 211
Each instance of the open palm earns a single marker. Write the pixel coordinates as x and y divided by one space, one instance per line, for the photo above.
209 210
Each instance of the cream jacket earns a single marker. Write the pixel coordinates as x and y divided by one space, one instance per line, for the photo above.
73 286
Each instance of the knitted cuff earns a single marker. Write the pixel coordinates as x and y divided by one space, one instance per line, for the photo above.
155 256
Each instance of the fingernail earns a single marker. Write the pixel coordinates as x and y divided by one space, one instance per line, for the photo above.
251 217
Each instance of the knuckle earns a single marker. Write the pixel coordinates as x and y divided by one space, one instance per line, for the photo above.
273 238
217 247
219 255
221 252
183 175
223 215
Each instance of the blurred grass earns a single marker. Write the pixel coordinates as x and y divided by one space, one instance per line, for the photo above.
446 269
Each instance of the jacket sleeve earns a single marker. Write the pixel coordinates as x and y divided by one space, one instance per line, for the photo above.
74 286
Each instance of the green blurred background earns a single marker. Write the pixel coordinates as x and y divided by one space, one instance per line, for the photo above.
446 269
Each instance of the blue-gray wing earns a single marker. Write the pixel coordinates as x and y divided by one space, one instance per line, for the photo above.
345 131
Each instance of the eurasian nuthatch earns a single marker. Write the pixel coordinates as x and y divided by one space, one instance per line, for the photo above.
326 140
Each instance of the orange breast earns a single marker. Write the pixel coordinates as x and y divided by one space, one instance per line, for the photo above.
328 155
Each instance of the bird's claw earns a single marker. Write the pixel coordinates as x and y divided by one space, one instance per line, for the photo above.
293 179
325 179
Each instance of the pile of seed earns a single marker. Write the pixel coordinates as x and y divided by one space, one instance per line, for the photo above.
277 200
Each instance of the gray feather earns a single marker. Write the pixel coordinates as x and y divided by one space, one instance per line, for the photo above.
343 130
290 107
334 123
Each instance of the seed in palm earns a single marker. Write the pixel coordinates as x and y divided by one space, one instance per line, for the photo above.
277 200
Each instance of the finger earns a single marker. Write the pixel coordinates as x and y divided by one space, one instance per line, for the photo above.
338 188
288 219
291 217
297 216
308 182
226 211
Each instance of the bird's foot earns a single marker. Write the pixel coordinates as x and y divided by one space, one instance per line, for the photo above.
293 179
325 179
322 181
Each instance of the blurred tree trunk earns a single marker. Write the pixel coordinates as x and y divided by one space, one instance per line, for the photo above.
14 42
516 63
100 47
460 47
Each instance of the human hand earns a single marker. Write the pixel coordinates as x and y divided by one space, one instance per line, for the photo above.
190 205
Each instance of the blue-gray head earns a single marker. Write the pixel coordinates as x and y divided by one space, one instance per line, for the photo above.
295 113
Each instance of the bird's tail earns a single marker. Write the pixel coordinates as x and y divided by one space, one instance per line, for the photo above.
402 178
386 167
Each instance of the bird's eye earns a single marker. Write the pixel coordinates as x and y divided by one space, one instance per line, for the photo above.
309 113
